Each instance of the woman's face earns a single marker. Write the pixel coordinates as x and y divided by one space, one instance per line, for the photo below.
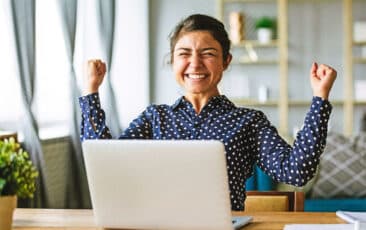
198 63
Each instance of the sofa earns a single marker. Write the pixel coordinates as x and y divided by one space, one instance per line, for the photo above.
340 181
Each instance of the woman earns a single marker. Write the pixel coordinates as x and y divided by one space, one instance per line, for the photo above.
199 55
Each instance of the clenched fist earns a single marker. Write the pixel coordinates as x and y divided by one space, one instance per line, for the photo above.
322 78
96 70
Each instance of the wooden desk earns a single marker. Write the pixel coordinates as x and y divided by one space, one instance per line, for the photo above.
61 219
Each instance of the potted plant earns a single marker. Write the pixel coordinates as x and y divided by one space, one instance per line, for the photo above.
17 179
265 28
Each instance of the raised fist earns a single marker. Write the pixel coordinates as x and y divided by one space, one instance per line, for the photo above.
96 70
322 78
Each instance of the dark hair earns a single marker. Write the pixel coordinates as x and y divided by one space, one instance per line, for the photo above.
201 22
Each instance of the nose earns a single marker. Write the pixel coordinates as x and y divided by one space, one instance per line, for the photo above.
195 60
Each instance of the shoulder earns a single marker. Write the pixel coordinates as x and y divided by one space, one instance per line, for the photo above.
233 109
158 108
251 112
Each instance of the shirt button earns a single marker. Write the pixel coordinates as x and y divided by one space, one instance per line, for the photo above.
196 123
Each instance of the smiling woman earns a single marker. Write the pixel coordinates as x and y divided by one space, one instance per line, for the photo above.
200 53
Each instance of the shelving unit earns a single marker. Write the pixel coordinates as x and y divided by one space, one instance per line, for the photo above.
346 103
349 61
281 61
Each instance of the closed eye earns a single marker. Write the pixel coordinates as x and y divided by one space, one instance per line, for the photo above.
209 54
183 54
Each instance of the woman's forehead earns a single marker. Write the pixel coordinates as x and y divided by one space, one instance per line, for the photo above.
200 39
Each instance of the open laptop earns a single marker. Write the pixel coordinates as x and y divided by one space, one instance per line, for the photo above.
159 184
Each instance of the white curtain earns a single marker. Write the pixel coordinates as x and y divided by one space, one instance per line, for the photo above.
77 188
22 22
105 25
98 41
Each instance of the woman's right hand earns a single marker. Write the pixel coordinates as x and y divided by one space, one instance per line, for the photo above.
96 70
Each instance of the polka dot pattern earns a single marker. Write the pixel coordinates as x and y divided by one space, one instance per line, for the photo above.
247 135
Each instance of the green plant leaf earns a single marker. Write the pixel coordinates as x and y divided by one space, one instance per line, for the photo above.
265 22
17 174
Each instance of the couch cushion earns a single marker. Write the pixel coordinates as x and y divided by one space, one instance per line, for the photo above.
342 168
332 205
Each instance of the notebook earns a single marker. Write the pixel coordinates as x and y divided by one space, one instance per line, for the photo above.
352 217
159 184
320 227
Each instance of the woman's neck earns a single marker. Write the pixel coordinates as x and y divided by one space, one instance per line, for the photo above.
199 101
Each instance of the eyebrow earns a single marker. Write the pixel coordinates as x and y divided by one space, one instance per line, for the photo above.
201 50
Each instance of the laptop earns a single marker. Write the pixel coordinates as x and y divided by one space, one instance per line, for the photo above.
159 184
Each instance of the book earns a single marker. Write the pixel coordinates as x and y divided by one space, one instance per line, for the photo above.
319 226
352 217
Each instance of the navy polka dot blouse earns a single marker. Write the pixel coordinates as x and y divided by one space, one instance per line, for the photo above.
248 136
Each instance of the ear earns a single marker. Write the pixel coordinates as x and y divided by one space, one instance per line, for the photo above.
228 61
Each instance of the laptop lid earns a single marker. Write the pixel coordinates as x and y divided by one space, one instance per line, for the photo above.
156 184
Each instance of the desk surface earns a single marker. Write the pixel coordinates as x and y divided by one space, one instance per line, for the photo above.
62 219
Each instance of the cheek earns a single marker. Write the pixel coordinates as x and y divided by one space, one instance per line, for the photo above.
215 65
178 66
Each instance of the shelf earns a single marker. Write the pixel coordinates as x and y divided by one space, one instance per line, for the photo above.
360 102
243 61
307 103
251 102
359 60
363 43
250 1
252 54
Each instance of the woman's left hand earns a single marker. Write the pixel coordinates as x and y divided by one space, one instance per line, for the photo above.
322 78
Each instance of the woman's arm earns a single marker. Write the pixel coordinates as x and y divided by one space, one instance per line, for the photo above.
93 117
294 164
297 164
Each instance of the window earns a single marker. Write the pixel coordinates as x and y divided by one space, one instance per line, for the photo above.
52 102
52 93
10 101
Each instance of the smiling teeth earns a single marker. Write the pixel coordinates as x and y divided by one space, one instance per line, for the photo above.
196 76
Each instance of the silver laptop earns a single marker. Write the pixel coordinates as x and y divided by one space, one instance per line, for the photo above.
156 184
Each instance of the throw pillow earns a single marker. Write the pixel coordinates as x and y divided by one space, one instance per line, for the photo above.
342 168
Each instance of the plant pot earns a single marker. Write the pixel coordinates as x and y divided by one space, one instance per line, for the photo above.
7 207
264 35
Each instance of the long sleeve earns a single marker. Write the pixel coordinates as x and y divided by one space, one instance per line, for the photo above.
93 118
141 127
294 165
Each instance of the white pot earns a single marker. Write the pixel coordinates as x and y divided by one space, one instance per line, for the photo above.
263 93
264 35
359 31
7 206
